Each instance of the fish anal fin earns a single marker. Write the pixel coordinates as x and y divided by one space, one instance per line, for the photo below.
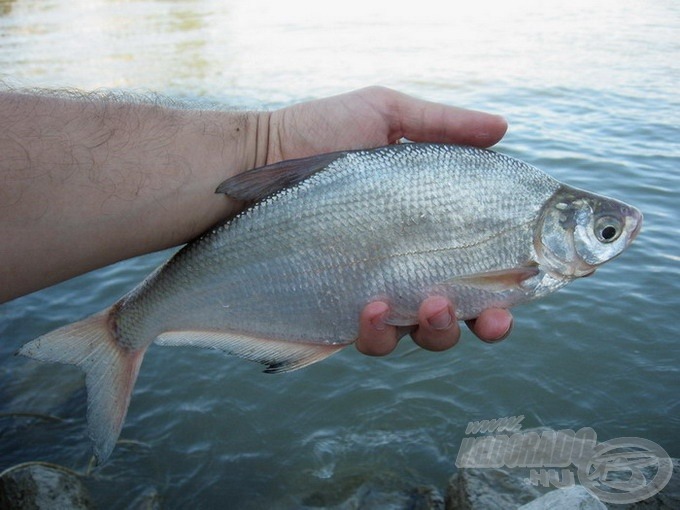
279 355
503 279
258 183
110 373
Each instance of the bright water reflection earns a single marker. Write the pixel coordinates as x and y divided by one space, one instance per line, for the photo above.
590 92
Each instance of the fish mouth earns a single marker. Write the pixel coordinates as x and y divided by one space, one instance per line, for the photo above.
636 218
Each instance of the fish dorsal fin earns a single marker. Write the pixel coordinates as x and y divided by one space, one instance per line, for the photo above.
261 182
279 355
503 279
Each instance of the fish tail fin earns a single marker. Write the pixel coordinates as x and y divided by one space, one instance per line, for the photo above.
110 373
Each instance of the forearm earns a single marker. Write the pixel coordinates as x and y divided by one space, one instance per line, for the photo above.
86 182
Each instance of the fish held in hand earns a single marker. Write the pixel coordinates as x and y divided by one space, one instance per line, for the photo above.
283 283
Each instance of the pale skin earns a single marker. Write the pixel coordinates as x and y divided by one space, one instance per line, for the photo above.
87 181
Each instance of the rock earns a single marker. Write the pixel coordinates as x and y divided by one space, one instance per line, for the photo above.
40 486
667 499
492 489
484 481
503 488
150 499
572 498
418 498
372 495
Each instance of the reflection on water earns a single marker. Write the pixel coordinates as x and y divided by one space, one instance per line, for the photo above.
273 51
590 92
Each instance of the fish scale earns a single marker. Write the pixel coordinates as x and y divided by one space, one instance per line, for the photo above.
285 241
284 282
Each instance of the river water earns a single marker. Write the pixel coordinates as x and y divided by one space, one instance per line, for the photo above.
591 93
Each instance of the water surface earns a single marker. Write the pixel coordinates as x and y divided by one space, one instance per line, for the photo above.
591 94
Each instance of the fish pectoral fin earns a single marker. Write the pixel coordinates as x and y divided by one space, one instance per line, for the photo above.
503 279
401 321
401 316
261 182
279 355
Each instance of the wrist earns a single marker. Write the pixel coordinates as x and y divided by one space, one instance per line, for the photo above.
230 142
257 149
219 145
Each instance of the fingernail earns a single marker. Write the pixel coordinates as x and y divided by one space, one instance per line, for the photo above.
378 322
442 320
507 333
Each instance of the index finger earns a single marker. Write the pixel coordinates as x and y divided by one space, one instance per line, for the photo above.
425 121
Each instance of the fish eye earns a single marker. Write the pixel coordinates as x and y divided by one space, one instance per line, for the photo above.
607 229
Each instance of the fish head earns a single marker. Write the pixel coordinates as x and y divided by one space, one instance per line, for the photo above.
579 231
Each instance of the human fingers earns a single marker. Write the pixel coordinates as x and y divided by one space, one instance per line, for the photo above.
426 121
437 329
371 117
376 338
492 325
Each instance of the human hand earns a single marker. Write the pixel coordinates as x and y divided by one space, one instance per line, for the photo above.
437 328
373 117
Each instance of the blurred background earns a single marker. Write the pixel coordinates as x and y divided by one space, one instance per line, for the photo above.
590 90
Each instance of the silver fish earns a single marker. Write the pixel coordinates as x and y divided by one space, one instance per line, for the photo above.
283 283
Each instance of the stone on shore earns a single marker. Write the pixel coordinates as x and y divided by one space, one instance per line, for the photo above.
575 497
42 486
